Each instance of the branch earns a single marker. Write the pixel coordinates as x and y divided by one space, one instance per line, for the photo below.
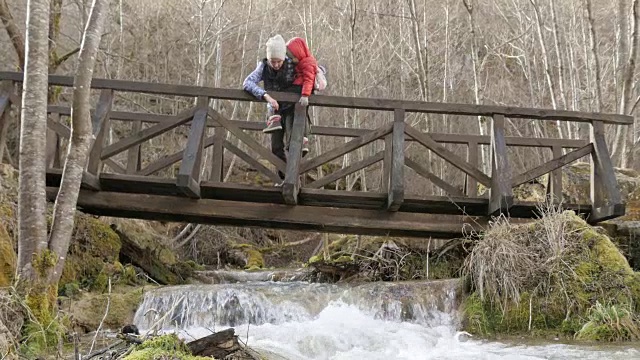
57 62
12 30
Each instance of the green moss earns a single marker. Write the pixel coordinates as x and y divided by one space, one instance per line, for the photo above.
7 258
610 323
163 347
122 307
254 259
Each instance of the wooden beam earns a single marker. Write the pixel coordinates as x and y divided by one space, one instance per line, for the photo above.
341 102
251 161
53 141
6 88
248 140
146 134
554 180
437 181
606 212
346 132
53 123
100 125
168 160
328 179
605 192
501 193
471 184
555 163
119 169
386 163
447 155
309 218
291 184
395 196
217 159
90 182
188 178
346 148
134 155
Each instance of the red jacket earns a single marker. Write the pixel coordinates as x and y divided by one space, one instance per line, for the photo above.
305 72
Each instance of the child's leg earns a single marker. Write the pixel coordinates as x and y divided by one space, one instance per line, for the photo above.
273 120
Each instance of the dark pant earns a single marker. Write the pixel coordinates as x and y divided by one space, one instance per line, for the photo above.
280 139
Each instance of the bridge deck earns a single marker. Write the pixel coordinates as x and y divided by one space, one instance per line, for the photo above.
155 198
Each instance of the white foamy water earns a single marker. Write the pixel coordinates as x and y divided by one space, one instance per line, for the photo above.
344 332
299 321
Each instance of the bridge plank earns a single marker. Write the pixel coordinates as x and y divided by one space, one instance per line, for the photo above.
346 148
328 179
248 140
291 184
437 181
221 212
251 161
146 134
395 194
551 165
188 178
346 132
337 101
501 197
447 155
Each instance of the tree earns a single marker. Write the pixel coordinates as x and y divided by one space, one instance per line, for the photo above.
40 260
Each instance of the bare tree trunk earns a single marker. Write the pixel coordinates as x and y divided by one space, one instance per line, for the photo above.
81 135
32 223
593 47
626 104
545 61
13 31
482 126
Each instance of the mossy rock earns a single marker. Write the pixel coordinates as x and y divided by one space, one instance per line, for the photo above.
7 258
593 271
89 308
163 347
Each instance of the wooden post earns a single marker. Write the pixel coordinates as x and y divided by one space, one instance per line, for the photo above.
53 144
395 196
471 184
188 180
291 185
501 193
100 123
6 89
386 163
217 159
554 182
606 200
133 155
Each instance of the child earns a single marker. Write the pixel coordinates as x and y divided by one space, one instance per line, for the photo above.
277 72
305 76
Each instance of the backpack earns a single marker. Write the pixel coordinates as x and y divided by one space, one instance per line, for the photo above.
321 78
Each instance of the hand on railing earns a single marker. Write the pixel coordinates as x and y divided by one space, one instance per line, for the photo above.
304 100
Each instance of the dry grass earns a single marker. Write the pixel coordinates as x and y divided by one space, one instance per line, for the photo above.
509 259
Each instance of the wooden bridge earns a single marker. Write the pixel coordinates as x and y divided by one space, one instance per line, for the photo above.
119 183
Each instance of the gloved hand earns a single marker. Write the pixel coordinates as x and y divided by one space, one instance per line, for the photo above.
304 100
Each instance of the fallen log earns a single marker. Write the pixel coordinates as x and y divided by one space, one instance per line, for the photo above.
132 253
218 345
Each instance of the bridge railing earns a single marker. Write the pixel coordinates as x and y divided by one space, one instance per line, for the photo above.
605 196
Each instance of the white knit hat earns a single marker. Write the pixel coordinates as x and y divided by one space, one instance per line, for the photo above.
276 49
